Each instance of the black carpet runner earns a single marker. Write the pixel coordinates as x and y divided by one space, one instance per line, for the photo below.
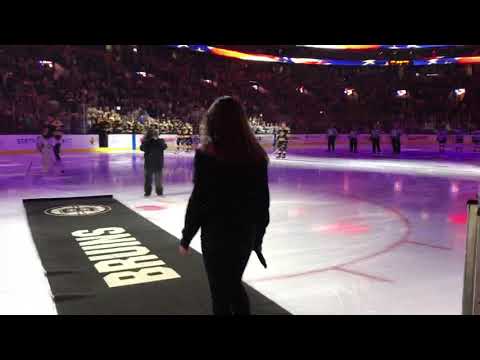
102 258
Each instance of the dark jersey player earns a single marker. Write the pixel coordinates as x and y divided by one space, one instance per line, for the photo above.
395 135
459 140
282 140
476 141
179 131
189 138
185 136
442 136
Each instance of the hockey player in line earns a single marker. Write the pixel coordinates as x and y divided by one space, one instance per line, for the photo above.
442 136
189 137
179 132
476 141
274 145
353 139
45 146
375 138
282 141
332 137
395 136
459 140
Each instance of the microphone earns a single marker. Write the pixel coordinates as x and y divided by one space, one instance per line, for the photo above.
261 258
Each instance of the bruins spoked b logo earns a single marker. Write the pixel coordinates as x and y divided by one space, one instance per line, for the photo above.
78 210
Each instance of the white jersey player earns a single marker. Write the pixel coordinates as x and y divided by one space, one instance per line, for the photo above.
45 145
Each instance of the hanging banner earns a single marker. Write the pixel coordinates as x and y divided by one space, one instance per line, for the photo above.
234 54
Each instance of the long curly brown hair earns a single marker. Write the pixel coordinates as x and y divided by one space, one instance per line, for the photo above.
229 136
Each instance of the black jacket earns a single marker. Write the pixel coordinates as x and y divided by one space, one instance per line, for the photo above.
153 149
230 202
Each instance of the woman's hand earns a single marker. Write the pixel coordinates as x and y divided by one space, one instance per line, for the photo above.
184 251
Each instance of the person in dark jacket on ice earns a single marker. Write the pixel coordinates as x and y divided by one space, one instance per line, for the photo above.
332 137
375 137
230 203
353 139
396 135
153 147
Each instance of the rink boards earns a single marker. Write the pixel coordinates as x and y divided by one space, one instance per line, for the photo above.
419 141
21 144
25 144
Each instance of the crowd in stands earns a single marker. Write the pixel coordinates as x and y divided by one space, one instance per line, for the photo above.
112 121
86 87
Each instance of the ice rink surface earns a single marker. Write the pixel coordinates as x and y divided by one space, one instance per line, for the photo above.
348 235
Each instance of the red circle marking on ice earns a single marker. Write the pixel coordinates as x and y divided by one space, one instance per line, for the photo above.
151 207
458 219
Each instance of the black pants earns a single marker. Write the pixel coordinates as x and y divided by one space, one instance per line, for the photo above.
441 145
282 147
331 143
353 145
149 174
224 271
375 145
396 145
56 151
103 139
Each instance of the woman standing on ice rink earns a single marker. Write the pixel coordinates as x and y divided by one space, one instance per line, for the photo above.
230 203
459 139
